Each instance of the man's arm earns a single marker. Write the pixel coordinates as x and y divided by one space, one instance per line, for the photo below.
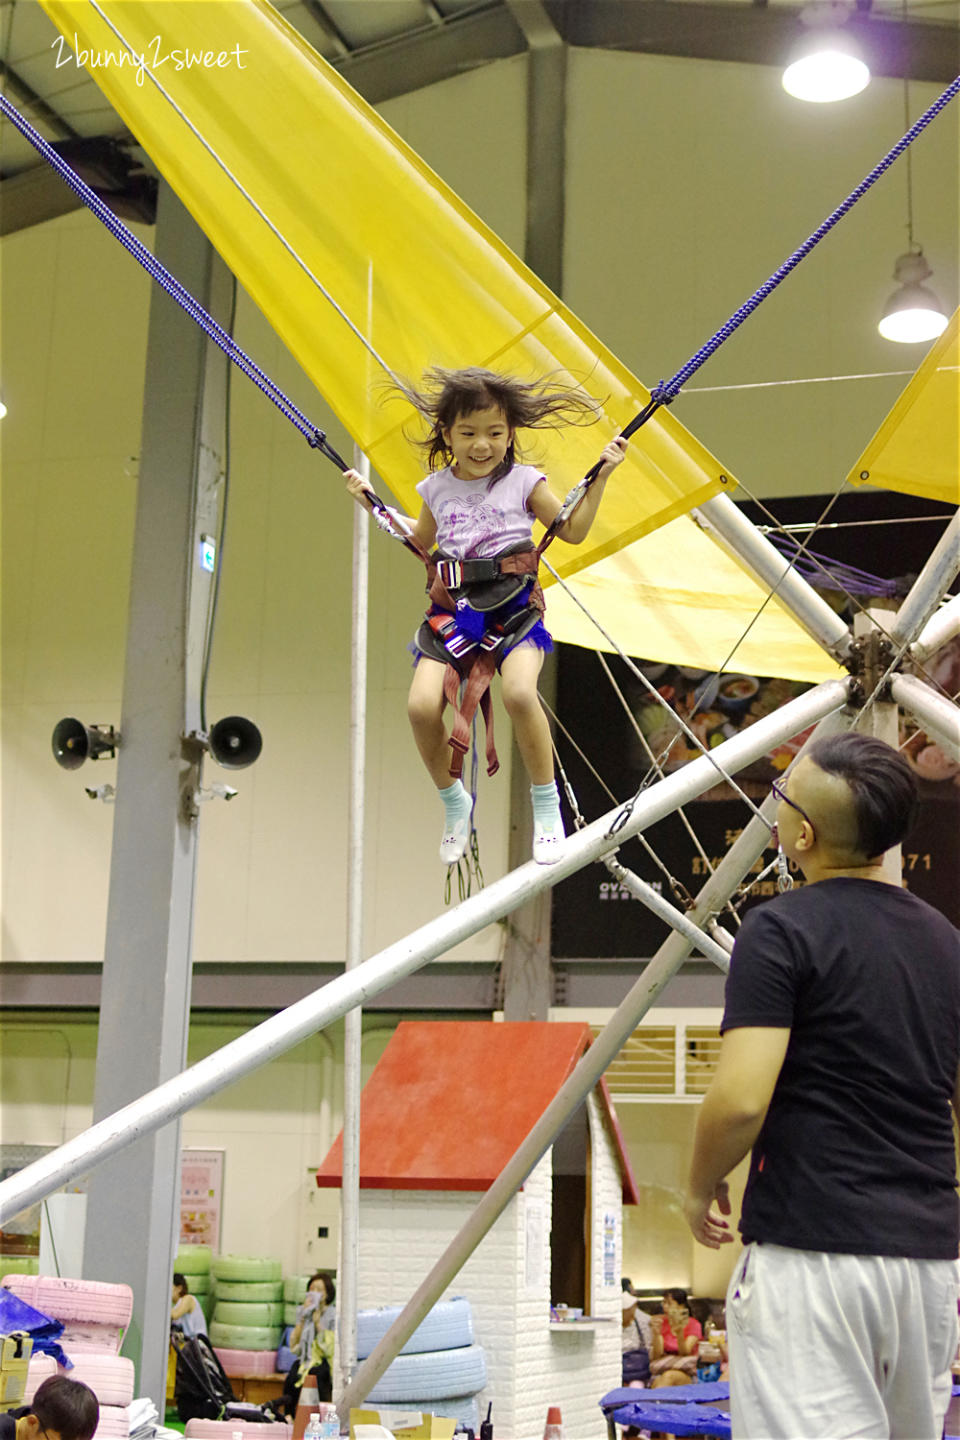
730 1118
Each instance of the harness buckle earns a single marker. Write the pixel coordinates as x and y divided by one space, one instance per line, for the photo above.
491 639
459 644
450 573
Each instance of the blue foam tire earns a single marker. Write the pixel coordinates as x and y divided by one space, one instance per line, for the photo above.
432 1375
448 1326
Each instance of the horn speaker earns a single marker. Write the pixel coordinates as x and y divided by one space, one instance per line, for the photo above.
235 742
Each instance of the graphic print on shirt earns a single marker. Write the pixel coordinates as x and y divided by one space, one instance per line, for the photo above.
472 524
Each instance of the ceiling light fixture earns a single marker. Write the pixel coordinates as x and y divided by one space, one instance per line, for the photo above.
826 63
913 313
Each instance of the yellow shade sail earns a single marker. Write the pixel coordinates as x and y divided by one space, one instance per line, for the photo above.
677 596
413 278
917 448
366 263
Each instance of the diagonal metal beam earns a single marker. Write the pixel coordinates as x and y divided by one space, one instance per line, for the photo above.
281 1032
658 905
434 53
721 519
942 626
939 717
928 589
747 848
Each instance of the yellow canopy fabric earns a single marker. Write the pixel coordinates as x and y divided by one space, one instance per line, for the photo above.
424 282
917 448
415 271
677 596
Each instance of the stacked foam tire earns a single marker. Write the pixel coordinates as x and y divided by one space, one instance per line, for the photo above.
94 1315
439 1369
294 1294
19 1265
247 1323
193 1263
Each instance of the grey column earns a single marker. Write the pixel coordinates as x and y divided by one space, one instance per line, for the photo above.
133 1208
546 141
527 974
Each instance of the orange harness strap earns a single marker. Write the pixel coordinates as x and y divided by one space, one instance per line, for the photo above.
476 691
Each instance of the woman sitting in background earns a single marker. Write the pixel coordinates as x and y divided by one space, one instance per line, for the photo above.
185 1311
637 1340
313 1338
676 1337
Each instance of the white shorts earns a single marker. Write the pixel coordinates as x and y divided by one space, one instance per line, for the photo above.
826 1347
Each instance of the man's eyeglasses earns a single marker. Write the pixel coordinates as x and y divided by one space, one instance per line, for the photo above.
781 794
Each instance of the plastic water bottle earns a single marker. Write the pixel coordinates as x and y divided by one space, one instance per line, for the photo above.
314 1428
330 1426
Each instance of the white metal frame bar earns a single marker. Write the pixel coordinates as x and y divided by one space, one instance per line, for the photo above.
284 1030
938 716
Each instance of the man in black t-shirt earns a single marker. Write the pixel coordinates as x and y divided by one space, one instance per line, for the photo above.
839 1066
61 1409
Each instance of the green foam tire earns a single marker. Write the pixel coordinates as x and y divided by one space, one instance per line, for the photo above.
245 1337
19 1265
290 1313
238 1312
193 1259
252 1292
246 1269
295 1287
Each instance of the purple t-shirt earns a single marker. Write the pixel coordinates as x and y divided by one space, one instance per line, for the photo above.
476 519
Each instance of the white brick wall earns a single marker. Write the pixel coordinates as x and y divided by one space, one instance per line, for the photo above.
529 1366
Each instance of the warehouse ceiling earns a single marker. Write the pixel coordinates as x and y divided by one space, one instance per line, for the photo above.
386 48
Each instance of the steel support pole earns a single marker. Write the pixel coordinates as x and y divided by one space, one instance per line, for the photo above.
132 1223
939 716
929 588
282 1031
526 969
721 519
546 140
941 627
747 848
881 719
353 1020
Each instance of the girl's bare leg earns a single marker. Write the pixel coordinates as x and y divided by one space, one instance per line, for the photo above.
425 706
518 675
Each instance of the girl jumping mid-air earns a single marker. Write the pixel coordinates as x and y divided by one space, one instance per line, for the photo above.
479 505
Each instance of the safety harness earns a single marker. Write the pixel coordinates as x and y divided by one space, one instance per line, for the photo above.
480 610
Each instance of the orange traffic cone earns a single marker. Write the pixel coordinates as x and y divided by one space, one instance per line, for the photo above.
307 1405
553 1430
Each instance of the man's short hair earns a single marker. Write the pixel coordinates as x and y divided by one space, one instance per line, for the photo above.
67 1406
882 784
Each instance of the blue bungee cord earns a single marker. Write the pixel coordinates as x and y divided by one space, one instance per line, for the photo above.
664 393
668 390
172 286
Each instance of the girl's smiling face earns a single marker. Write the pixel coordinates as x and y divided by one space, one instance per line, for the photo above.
478 442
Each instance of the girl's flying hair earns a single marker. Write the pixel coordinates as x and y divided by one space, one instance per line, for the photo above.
447 395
